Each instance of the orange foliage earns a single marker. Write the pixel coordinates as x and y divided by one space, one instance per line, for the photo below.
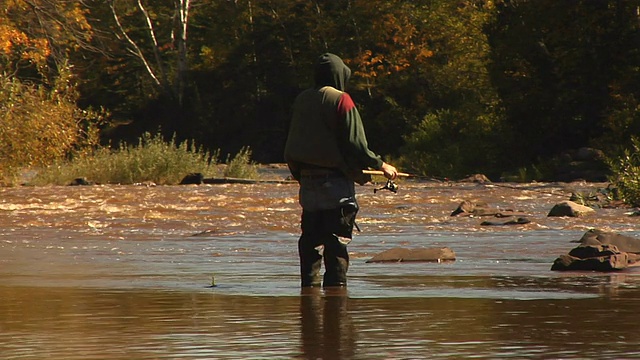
30 28
392 44
15 44
40 123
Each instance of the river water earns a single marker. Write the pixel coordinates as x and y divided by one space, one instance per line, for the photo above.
125 272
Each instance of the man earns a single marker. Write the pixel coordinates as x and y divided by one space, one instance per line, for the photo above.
326 151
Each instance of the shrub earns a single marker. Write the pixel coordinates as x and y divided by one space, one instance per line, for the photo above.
152 159
452 144
626 174
241 165
40 125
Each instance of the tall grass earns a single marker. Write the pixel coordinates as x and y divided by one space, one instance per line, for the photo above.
152 159
241 166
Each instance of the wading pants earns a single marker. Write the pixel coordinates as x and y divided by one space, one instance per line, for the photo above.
328 216
318 242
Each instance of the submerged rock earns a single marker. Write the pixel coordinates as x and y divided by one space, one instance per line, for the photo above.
467 207
518 221
478 208
419 254
473 208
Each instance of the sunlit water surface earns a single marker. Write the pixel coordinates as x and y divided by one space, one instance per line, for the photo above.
125 272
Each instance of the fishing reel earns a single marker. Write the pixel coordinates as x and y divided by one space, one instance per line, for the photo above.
390 185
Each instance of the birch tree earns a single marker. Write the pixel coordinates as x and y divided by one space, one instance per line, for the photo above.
156 35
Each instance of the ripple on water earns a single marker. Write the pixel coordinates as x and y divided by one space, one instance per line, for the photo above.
114 272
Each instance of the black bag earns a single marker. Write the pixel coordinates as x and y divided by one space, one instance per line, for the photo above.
347 217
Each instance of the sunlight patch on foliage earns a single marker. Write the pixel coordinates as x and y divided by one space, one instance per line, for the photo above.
40 125
626 174
151 160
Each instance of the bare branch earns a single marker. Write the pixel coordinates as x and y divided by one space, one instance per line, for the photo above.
136 49
156 47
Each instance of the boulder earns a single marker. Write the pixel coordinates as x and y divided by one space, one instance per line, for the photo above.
570 208
591 257
601 263
592 251
192 179
419 254
622 242
80 182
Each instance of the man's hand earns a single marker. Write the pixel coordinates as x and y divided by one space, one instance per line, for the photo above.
390 172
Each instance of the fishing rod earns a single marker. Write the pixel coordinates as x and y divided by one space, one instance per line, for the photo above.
407 175
392 186
379 172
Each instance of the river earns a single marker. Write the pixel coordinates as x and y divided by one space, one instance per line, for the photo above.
125 272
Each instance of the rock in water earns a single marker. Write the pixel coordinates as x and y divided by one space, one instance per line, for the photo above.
420 254
570 208
622 242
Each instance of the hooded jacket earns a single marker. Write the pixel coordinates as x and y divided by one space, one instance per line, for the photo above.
326 129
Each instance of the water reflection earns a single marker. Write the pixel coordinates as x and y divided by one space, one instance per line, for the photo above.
326 327
87 324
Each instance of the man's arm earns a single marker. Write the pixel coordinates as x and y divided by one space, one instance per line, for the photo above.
352 138
355 143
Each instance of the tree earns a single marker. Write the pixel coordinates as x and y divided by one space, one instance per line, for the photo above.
40 121
438 90
37 36
561 68
149 49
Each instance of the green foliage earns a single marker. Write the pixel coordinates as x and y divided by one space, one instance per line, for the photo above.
524 174
458 131
445 145
561 69
626 174
152 159
621 121
241 166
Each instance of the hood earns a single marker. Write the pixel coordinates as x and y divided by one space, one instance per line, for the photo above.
331 71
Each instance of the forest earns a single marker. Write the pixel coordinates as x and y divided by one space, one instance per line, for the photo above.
445 88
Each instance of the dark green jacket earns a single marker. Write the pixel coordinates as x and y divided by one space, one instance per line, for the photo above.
326 129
